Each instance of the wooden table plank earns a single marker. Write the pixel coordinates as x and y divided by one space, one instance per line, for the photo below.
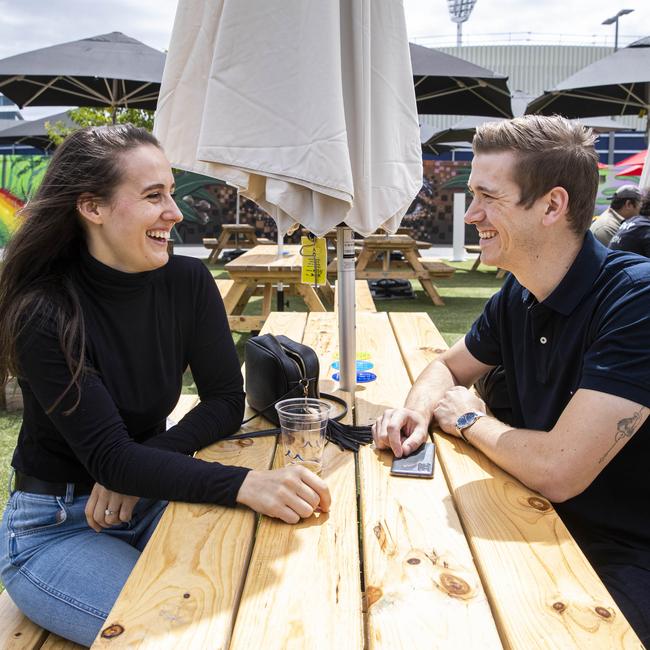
543 591
305 578
17 632
422 588
185 588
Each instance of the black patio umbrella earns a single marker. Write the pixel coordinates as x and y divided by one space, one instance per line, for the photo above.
464 129
448 85
110 70
618 84
33 133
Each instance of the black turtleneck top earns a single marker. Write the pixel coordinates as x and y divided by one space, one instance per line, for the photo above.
142 332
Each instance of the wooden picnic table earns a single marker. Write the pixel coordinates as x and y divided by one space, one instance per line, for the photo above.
262 267
468 559
374 263
475 249
233 235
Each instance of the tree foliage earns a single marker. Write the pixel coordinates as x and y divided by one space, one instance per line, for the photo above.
84 117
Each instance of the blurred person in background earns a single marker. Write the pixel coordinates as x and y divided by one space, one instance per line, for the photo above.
624 205
634 234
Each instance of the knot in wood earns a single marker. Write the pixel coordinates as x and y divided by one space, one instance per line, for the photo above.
413 560
245 442
373 594
112 631
454 585
559 607
605 613
186 595
380 534
539 504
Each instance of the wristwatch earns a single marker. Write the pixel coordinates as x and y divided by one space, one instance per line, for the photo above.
466 420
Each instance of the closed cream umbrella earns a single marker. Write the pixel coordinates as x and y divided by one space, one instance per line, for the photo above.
308 107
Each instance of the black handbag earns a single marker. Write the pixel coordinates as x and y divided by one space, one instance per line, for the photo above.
279 368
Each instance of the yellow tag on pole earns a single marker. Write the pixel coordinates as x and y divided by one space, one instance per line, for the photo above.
314 261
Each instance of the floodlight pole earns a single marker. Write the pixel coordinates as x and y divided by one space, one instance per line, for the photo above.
609 21
614 19
459 11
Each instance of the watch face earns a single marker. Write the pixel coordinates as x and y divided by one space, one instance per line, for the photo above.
465 420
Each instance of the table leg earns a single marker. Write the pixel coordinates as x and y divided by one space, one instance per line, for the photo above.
327 291
412 258
477 261
234 295
267 300
365 256
428 286
501 273
221 244
310 297
243 300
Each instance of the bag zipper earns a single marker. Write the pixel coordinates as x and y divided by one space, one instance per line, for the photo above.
297 359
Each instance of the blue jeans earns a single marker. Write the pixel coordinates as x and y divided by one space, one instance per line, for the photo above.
61 573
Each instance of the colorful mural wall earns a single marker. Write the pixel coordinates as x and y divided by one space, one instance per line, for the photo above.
19 176
207 203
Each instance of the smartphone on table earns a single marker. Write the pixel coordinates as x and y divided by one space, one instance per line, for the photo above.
418 465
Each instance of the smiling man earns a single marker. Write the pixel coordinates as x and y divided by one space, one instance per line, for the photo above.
561 354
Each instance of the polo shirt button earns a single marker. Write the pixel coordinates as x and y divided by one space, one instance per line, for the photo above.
543 340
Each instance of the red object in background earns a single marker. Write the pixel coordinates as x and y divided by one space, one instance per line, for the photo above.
633 165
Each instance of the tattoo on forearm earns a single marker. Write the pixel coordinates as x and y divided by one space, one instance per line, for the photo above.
626 428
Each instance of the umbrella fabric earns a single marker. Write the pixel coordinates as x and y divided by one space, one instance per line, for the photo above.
635 159
308 108
107 70
33 132
631 166
448 85
464 129
618 84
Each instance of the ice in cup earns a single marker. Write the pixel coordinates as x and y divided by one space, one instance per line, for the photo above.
303 422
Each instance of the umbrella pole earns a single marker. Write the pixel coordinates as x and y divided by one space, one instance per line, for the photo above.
346 309
280 292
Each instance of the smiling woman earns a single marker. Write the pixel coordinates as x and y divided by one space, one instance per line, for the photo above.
99 325
129 232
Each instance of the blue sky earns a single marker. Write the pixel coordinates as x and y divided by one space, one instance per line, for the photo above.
30 24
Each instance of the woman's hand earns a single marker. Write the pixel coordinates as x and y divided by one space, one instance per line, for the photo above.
291 493
102 501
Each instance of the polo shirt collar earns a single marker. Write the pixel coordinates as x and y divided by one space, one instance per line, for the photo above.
580 277
577 281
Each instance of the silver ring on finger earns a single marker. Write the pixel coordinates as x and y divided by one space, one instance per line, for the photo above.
108 513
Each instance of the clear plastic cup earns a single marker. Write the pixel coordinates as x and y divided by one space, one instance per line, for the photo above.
303 422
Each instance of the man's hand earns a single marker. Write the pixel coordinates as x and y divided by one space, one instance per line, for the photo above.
402 430
455 402
291 493
100 500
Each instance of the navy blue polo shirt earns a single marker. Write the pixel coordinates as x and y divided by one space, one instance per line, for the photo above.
593 332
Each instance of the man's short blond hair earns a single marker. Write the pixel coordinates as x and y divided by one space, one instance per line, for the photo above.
550 152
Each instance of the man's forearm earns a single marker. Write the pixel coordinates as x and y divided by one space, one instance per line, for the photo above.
524 453
434 381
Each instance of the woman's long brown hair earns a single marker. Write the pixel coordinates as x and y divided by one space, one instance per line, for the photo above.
36 281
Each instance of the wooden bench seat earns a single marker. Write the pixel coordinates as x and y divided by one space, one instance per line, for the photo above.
363 300
224 285
436 268
17 632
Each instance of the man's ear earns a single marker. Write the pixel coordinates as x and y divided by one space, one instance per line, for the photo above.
88 207
557 205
